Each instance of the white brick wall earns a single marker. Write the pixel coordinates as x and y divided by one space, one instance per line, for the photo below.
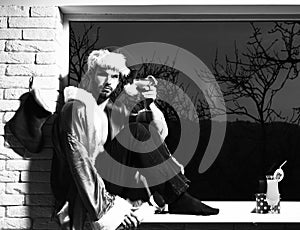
3 22
45 58
29 41
16 223
20 22
16 58
40 11
38 34
10 34
17 11
30 46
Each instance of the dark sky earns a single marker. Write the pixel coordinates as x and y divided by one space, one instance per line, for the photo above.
200 38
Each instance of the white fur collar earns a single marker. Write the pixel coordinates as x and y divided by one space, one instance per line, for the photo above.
73 93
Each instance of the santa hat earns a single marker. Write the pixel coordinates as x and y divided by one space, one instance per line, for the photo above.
106 59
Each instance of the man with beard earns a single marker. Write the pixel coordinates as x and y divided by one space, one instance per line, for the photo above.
92 128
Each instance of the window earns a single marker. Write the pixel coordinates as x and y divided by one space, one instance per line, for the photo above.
242 116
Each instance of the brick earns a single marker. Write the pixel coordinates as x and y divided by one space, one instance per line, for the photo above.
20 70
14 82
2 45
29 211
10 34
1 95
23 82
21 165
2 189
1 117
17 223
2 141
39 200
18 211
2 164
9 176
45 58
14 10
41 212
9 105
44 154
45 224
2 212
41 165
10 154
30 46
41 11
29 165
17 58
28 188
14 93
41 177
29 70
7 116
15 22
11 200
39 34
2 69
3 22
2 131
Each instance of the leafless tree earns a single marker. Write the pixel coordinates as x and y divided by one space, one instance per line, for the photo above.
81 45
259 73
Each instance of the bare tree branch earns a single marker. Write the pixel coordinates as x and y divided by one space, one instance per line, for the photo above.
80 47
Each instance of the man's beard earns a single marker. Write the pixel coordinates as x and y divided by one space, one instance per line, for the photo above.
106 93
103 96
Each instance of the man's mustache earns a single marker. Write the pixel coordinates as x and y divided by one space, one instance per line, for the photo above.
107 87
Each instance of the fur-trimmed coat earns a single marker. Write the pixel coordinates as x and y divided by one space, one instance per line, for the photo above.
79 134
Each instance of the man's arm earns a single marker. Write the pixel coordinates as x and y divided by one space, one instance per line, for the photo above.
159 121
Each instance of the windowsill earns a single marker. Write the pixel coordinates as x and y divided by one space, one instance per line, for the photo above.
234 212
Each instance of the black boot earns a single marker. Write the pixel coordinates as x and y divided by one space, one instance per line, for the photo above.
186 204
26 124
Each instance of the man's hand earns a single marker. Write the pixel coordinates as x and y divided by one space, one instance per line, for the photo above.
131 220
145 88
137 215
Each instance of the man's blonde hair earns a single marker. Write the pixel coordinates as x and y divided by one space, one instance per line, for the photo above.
102 58
107 60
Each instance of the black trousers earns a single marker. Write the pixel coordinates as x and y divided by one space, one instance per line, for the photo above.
138 149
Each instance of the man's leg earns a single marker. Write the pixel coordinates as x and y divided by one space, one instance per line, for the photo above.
173 184
145 152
